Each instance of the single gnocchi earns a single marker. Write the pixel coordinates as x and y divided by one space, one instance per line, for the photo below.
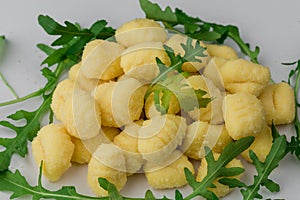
160 136
121 102
54 147
221 51
127 141
279 103
139 61
244 115
200 134
101 60
139 31
170 176
107 162
243 76
261 145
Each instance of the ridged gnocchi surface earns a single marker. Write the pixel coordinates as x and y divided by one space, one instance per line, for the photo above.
244 115
54 147
279 103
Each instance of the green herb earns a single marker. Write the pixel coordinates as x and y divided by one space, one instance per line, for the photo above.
72 40
264 169
197 28
217 168
170 80
2 50
294 80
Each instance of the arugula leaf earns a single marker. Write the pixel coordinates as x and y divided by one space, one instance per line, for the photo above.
72 40
196 28
217 168
293 146
170 80
2 51
17 184
264 169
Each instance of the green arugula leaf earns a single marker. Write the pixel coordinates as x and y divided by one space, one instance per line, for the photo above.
264 169
2 52
293 146
72 41
217 168
170 80
197 28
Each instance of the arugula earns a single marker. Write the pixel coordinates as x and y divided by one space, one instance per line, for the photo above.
217 168
197 28
71 41
294 80
170 80
2 51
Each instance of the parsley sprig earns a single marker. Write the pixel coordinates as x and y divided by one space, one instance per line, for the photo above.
170 80
197 28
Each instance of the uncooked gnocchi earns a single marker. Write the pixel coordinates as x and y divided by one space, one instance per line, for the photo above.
54 147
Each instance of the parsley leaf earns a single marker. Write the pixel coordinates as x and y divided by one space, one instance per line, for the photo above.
196 28
217 168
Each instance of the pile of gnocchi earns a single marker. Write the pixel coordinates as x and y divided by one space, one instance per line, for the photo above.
104 120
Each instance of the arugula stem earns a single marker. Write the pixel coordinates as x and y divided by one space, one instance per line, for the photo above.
9 86
24 98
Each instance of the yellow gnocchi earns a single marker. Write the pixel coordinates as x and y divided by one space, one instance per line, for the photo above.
171 176
160 136
243 76
244 115
279 103
140 31
54 147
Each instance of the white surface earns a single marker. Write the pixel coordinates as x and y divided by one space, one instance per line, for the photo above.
274 26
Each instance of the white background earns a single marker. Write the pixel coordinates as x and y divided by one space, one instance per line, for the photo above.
272 25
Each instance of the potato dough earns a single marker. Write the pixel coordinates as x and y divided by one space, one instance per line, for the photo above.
53 146
62 92
121 102
175 43
127 141
150 109
81 115
279 103
221 51
261 145
213 111
212 71
102 60
160 136
76 75
200 134
244 76
109 163
139 61
244 115
220 190
140 31
171 176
